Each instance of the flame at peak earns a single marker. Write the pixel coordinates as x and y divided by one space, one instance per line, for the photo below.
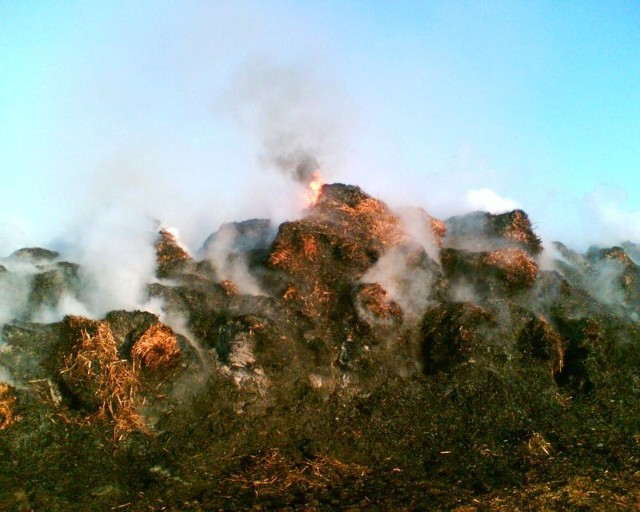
312 193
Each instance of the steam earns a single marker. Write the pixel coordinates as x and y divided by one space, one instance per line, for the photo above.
296 120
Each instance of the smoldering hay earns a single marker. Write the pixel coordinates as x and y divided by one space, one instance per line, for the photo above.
355 357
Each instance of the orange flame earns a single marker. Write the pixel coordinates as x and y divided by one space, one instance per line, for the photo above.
312 193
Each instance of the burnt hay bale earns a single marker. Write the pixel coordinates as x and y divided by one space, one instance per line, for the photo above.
375 307
48 286
539 340
449 333
128 326
324 254
513 268
482 231
584 338
248 235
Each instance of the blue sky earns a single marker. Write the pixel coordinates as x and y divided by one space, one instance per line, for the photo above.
168 109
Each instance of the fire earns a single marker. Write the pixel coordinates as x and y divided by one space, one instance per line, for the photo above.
314 187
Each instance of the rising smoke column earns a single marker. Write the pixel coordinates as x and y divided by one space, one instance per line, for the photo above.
296 119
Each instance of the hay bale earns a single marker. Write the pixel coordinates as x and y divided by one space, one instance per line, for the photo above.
421 226
615 253
7 402
157 348
368 219
513 268
482 231
170 256
49 286
104 384
245 236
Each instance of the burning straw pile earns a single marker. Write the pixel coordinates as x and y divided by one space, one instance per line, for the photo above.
105 384
369 219
345 233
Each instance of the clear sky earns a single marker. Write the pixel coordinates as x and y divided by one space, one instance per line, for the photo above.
173 109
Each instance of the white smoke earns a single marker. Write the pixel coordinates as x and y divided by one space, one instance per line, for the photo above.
610 222
417 224
487 200
15 286
116 253
230 263
407 284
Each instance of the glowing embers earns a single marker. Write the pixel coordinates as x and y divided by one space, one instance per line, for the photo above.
312 193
